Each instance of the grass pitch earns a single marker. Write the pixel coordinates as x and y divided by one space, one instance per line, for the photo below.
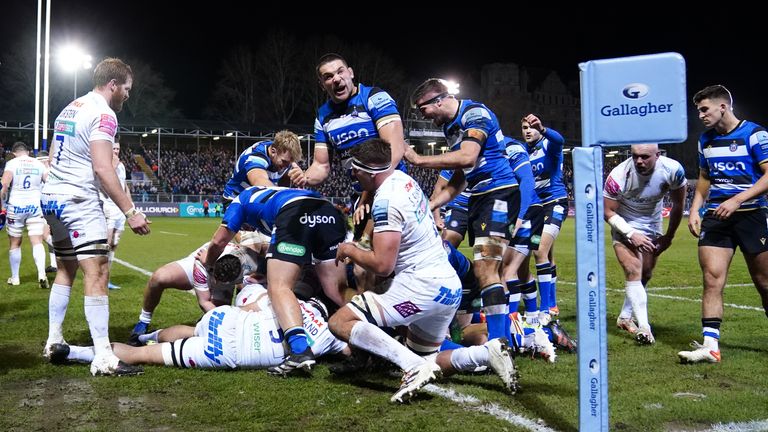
649 390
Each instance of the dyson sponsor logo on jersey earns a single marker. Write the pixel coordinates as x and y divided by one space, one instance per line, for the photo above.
729 166
350 135
312 220
215 347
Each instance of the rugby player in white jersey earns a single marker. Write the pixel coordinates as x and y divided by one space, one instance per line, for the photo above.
115 218
81 165
227 337
633 198
22 181
187 274
425 291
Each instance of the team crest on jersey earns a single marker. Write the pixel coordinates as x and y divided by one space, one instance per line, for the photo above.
733 147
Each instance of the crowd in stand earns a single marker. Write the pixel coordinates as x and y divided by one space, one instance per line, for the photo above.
206 172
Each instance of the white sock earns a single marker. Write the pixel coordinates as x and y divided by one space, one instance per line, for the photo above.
712 342
111 257
97 314
14 256
52 256
373 339
639 300
470 358
626 309
58 301
38 254
80 354
150 337
145 317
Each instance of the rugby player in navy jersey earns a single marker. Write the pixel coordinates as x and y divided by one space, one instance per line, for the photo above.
305 228
545 152
264 164
454 223
527 233
352 115
478 159
733 172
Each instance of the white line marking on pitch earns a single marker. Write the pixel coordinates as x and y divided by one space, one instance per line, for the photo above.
669 297
173 233
672 288
132 267
142 271
472 403
695 300
750 426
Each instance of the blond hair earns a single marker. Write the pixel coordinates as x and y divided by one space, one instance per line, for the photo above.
286 140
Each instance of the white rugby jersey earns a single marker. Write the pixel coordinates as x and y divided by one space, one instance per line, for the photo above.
27 181
88 118
641 197
260 342
400 205
120 171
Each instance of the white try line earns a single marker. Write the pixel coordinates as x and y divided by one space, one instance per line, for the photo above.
472 403
173 233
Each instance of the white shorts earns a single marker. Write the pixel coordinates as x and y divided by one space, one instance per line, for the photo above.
220 336
20 216
115 217
78 226
213 346
425 305
188 266
617 237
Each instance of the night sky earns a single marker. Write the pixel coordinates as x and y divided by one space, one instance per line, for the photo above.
718 48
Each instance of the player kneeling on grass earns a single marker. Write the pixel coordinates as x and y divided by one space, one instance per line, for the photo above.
226 337
425 291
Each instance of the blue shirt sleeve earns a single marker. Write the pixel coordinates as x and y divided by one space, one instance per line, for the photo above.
381 104
233 217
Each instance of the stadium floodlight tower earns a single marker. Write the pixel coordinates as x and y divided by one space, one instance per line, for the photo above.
72 59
